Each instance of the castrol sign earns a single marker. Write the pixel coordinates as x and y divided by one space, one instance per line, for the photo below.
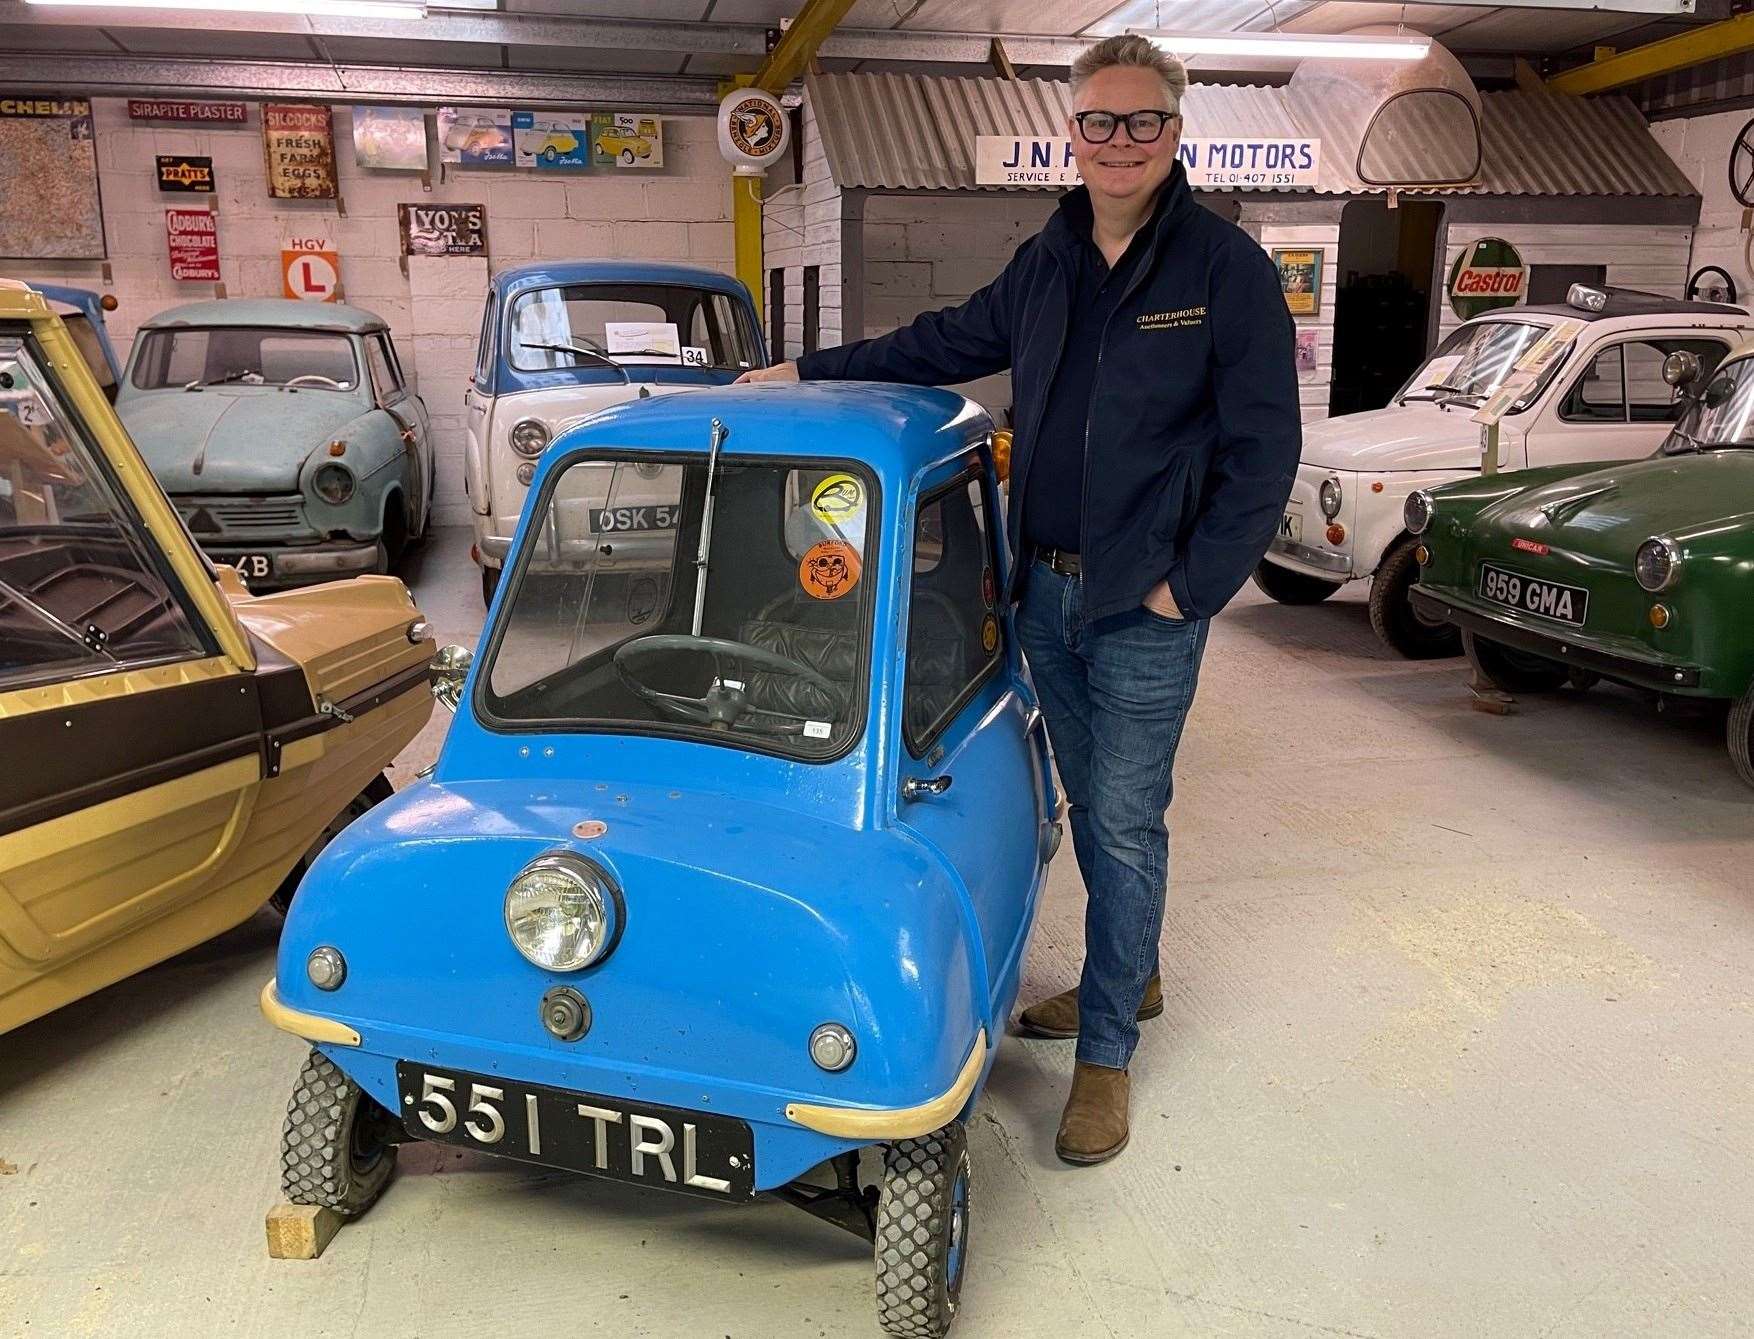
1488 273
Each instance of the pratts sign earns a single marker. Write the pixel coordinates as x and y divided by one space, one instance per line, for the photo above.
1488 273
1247 162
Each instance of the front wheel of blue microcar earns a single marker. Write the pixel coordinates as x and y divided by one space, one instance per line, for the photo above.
922 1233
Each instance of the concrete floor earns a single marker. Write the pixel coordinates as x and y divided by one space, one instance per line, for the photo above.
1458 1043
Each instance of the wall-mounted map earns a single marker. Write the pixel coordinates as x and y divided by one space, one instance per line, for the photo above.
49 208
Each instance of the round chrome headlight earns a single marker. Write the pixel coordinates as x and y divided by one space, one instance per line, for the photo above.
1657 564
326 968
333 483
1329 497
1416 514
562 912
832 1047
529 437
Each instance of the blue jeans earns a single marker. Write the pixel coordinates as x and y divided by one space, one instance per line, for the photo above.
1114 694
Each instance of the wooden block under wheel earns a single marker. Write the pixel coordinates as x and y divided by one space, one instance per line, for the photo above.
301 1231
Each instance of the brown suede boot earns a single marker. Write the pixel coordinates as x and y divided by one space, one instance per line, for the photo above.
1094 1127
1057 1016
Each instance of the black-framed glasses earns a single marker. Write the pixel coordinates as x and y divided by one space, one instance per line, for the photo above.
1143 127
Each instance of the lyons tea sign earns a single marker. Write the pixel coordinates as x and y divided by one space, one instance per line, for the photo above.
1488 273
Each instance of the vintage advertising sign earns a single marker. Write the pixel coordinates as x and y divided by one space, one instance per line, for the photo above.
552 140
753 129
310 270
194 243
627 139
390 138
1241 162
1300 279
221 113
443 230
475 136
299 140
185 173
49 203
1488 273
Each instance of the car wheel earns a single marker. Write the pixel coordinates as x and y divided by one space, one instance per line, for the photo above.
1288 587
1512 670
374 794
922 1233
394 542
489 583
1739 735
627 157
1393 616
1582 679
337 1148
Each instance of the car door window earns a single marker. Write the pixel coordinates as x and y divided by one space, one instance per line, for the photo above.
385 380
955 638
1624 382
1598 395
81 589
484 350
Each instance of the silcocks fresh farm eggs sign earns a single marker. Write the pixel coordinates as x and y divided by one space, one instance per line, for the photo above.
1255 163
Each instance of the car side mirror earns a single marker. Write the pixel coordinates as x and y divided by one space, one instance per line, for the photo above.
1681 368
450 667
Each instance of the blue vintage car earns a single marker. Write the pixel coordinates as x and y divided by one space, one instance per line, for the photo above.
286 434
726 871
563 339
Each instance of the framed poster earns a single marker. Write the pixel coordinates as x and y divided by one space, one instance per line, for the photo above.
627 139
550 140
475 136
299 140
49 203
443 230
194 243
390 138
1300 279
185 173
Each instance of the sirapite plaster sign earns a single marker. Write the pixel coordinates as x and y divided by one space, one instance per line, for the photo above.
213 113
1236 162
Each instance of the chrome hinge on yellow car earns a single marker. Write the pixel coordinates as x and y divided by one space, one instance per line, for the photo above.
328 708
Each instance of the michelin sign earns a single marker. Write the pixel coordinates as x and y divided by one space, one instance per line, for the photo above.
1247 163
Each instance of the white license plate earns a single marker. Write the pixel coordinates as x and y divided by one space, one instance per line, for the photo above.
1291 527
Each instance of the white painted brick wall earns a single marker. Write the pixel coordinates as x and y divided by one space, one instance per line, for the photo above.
680 212
1700 146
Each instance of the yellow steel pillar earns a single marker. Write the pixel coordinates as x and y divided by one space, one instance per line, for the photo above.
789 58
1695 46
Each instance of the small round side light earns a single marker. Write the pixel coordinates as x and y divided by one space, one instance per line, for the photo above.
337 448
832 1047
1422 555
1660 616
526 472
326 968
1336 533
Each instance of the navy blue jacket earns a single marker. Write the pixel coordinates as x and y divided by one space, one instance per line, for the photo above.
1194 432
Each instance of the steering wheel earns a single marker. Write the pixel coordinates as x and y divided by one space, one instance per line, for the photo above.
722 706
316 378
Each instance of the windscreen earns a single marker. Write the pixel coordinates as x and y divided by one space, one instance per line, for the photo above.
609 623
635 324
1474 361
1721 416
246 356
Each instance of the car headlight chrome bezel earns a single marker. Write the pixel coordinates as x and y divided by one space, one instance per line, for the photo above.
529 437
1329 497
1657 563
567 877
334 483
1416 512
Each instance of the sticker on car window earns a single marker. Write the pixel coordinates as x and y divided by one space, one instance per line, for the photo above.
817 730
838 500
829 569
989 634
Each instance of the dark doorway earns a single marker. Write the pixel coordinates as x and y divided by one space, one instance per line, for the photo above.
1382 306
1550 283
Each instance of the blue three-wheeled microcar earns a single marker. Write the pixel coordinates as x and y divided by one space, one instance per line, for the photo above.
727 868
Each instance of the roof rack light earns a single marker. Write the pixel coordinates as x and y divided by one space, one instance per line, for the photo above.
1291 46
1586 298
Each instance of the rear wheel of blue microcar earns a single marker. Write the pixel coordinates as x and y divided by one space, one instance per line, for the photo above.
922 1233
337 1148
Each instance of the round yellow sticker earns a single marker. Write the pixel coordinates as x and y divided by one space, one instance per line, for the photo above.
838 500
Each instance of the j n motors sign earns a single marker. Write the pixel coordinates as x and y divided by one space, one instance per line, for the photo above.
1242 162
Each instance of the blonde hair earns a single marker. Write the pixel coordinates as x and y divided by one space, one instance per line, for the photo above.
1139 52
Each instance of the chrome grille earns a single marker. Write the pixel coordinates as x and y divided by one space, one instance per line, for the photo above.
241 517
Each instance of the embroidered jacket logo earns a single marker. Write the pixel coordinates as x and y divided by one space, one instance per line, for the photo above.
1179 319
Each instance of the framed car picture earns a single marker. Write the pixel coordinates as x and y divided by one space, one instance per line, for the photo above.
1300 279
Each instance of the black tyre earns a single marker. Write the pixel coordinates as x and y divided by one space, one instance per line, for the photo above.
377 792
489 583
1512 670
395 539
1393 616
1582 679
1739 735
922 1233
336 1147
1288 587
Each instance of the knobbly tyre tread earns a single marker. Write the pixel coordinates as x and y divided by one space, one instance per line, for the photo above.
912 1246
316 1142
1391 613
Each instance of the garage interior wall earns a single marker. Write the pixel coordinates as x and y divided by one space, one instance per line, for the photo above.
680 212
1700 146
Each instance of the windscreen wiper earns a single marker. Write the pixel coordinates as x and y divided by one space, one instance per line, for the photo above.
595 355
719 434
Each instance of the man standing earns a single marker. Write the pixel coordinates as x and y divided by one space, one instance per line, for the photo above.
1157 437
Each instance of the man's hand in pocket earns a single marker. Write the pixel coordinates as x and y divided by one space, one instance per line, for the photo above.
1160 602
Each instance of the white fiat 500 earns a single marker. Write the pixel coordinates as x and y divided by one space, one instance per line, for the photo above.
1601 398
561 340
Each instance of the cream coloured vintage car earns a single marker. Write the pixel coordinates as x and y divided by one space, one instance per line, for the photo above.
175 749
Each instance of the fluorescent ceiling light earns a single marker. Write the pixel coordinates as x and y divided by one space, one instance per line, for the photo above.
1291 46
350 9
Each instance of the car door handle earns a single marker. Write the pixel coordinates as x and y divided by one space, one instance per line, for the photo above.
917 788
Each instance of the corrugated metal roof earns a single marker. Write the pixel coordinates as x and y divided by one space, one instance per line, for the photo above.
912 132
